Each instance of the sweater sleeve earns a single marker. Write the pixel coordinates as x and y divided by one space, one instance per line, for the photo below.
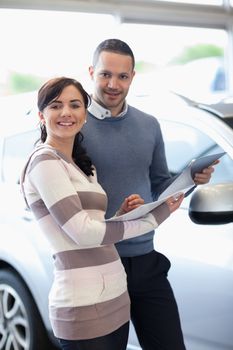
57 198
159 172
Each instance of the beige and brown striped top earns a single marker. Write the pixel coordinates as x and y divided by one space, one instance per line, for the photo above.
89 295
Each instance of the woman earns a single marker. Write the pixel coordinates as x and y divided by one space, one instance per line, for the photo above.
89 305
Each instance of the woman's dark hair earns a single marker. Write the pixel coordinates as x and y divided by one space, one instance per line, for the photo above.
46 94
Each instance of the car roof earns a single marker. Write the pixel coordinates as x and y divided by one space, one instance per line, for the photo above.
222 109
168 106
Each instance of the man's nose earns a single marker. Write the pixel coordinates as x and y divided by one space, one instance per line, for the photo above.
113 83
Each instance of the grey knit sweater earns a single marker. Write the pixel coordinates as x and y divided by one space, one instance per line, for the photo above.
128 153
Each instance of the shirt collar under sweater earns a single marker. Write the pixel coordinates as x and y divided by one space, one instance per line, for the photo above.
101 113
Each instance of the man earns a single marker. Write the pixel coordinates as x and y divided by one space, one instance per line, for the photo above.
127 148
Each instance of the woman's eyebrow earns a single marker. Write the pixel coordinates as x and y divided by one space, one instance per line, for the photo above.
76 100
59 101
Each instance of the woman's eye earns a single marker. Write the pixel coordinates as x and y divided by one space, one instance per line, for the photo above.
55 106
75 105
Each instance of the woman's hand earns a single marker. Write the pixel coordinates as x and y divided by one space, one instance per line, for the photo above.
174 202
130 203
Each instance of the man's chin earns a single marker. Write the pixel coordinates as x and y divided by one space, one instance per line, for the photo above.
113 101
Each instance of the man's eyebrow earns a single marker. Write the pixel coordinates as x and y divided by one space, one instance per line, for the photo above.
109 72
105 71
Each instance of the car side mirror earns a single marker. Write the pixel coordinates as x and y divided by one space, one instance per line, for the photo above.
212 204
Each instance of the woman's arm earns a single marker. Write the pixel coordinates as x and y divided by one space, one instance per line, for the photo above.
60 200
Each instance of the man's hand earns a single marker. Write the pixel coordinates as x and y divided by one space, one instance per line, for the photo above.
205 176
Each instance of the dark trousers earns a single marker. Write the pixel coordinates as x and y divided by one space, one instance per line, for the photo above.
116 340
154 311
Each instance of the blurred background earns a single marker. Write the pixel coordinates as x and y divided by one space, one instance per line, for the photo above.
183 46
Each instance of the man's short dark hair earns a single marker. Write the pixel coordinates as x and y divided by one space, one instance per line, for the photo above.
113 45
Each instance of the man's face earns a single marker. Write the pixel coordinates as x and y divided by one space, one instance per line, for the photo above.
112 77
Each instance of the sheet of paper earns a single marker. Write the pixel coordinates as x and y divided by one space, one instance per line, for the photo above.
145 208
138 212
185 179
181 184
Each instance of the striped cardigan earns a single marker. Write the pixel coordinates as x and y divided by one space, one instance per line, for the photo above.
89 295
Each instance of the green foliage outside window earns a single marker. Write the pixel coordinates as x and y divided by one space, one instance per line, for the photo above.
19 83
198 51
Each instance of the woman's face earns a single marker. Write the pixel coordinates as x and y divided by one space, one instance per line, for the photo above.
65 115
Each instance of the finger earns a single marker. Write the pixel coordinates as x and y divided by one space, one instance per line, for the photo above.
131 207
178 199
175 202
216 162
136 201
208 170
133 196
202 178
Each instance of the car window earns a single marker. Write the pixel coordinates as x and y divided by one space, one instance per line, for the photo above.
224 170
184 143
16 148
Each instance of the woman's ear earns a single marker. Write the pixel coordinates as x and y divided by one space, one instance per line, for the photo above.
41 117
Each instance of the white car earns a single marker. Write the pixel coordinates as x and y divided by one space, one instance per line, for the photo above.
198 238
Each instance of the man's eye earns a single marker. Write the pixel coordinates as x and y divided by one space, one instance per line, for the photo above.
105 75
124 77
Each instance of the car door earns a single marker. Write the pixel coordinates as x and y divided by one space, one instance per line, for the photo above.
201 255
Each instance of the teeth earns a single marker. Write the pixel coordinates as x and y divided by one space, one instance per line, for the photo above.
66 124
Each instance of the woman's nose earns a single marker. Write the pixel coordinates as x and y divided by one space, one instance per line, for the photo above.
66 110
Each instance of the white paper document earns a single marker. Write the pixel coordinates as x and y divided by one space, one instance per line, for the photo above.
138 212
181 184
185 180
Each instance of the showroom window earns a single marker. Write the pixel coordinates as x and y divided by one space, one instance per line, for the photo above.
60 43
199 2
193 64
188 60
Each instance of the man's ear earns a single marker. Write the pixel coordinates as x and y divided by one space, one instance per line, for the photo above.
91 71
